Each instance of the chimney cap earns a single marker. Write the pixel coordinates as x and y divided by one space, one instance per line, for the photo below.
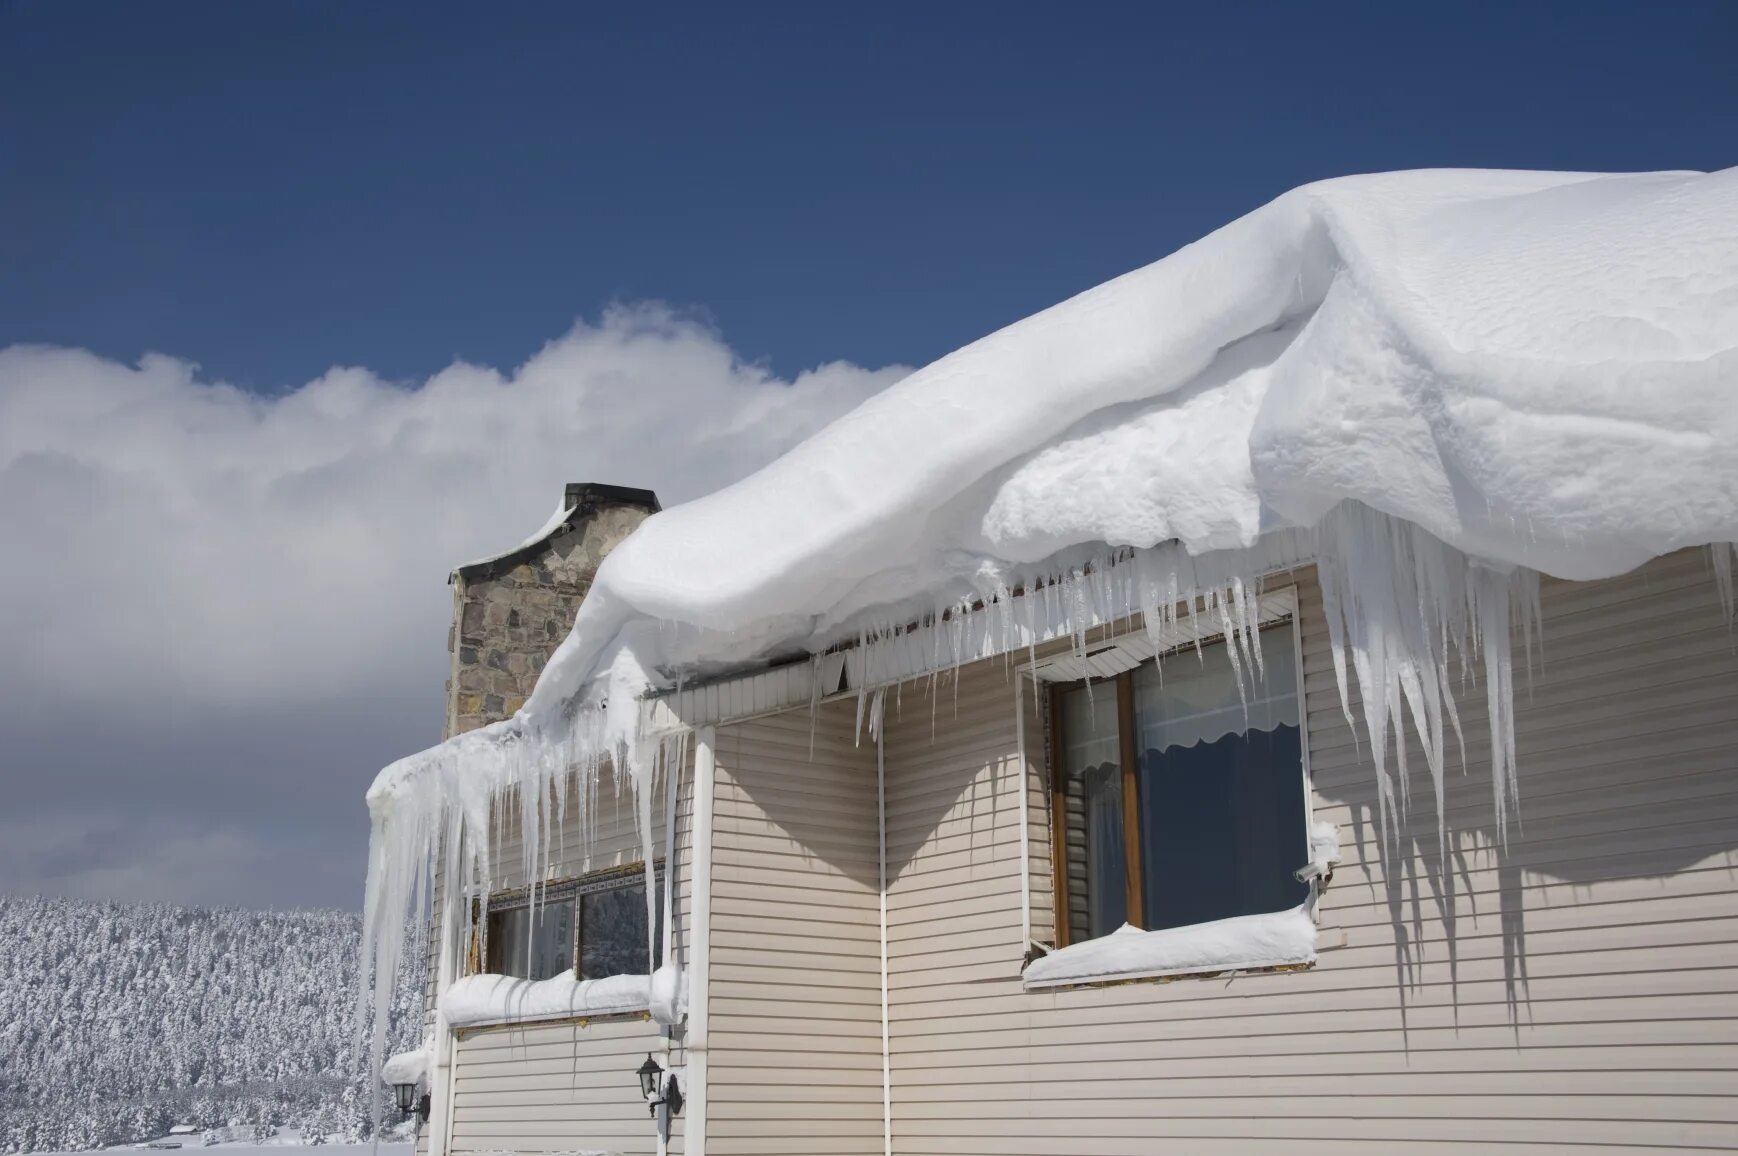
580 502
590 496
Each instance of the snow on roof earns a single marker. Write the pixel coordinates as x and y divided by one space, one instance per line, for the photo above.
1535 368
1448 381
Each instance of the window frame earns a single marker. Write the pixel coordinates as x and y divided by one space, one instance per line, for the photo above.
1278 609
556 890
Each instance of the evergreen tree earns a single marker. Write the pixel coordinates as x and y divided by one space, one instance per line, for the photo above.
120 1020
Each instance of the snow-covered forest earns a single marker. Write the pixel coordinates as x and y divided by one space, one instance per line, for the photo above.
120 1020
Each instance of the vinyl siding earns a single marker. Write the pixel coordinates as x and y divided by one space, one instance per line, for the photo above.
1574 990
795 1028
570 1086
560 1087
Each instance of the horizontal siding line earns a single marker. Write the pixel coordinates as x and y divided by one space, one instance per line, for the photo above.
758 757
1568 731
833 858
1312 985
747 880
1650 909
1105 1098
1610 643
808 941
849 1079
830 806
1644 663
753 974
1697 741
1340 964
741 1023
1354 875
1594 741
807 911
917 832
1521 844
1497 1062
962 1055
1470 799
1432 1010
745 993
828 907
1341 761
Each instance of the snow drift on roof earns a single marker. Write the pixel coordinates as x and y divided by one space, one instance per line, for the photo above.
1536 368
1448 381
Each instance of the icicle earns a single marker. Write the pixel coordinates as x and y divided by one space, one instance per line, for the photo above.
1398 604
1397 601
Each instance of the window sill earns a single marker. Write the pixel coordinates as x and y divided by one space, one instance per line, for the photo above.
490 1000
1279 941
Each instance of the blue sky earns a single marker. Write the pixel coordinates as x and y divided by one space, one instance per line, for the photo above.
269 190
233 603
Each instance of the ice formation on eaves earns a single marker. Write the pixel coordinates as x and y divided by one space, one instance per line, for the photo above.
1439 384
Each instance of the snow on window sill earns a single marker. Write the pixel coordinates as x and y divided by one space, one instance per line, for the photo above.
480 1000
1281 939
484 1000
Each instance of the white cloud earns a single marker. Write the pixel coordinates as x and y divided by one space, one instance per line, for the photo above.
177 549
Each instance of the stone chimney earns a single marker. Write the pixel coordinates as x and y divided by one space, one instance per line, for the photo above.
511 611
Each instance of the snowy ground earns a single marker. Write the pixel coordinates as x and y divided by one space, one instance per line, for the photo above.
276 1146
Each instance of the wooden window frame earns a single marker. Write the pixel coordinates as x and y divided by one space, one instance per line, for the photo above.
1057 737
1135 914
556 890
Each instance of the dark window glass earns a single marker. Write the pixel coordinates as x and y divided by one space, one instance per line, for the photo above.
612 936
532 941
1092 764
1221 785
597 924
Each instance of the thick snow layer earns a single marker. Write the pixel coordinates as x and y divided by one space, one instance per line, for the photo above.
500 999
1533 367
1441 383
1283 937
406 1067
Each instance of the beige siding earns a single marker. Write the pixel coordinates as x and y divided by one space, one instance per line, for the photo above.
553 1088
1577 988
795 1039
567 1086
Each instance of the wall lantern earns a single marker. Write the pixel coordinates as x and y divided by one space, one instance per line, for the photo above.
657 1089
406 1098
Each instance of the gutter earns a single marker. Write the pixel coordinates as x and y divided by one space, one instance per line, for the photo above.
886 1056
700 981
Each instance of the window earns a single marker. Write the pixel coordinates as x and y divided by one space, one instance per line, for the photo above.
595 924
1181 795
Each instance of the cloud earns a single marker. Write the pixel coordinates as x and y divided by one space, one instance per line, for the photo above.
223 610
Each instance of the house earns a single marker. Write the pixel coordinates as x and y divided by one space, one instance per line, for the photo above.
1347 830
